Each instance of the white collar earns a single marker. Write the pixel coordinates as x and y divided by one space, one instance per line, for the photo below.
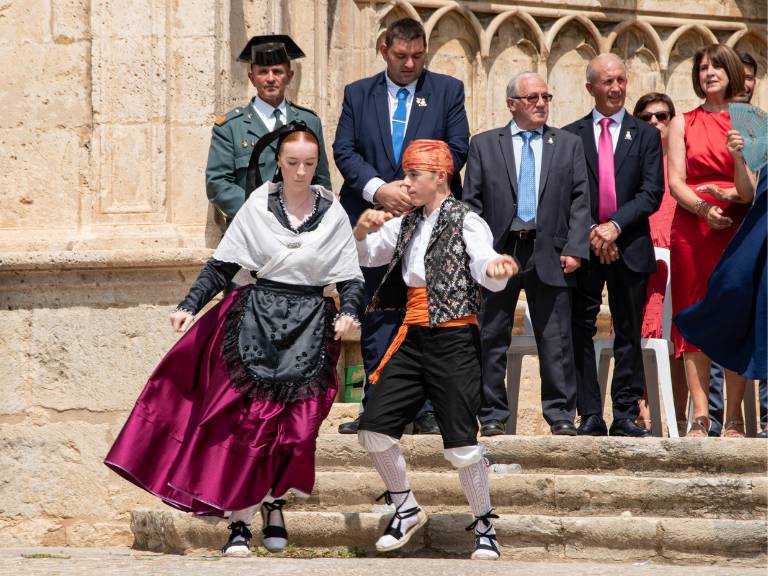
617 118
393 88
516 129
266 110
432 218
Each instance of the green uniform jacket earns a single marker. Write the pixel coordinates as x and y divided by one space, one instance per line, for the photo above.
232 142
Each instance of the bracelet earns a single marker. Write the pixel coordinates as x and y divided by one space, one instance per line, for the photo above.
180 309
348 315
701 208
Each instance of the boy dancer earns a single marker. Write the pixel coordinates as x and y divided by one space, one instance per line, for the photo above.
439 255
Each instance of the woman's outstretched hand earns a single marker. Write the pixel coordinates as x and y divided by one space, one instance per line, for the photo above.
344 326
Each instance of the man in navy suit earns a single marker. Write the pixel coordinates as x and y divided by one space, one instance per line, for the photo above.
380 116
626 181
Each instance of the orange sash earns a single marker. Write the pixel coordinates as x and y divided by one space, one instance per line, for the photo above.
416 314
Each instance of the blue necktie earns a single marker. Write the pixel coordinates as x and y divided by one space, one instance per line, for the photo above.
526 180
399 121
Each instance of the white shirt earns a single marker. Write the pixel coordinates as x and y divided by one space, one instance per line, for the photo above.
266 112
392 89
614 128
378 248
537 146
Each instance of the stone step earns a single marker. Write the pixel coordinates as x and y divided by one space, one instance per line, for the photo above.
572 455
522 537
742 498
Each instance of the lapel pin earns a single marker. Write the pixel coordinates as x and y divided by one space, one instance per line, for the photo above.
420 101
550 140
627 136
244 143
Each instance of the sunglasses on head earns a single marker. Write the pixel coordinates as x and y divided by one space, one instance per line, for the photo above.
660 116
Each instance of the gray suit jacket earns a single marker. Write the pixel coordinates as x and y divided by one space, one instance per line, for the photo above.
563 214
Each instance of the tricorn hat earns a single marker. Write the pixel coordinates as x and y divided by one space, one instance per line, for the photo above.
270 50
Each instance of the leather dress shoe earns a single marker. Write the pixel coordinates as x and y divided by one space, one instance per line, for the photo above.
593 425
426 424
493 428
563 428
626 427
762 434
349 427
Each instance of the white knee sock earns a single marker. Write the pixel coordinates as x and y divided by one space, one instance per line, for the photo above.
474 482
390 465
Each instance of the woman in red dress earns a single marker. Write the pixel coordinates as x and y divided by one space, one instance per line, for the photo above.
658 110
703 178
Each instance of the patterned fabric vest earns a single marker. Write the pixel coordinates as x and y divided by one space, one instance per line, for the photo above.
451 290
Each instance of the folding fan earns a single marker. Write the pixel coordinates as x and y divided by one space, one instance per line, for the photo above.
752 123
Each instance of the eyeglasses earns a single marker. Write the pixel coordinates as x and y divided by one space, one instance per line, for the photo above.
660 116
534 98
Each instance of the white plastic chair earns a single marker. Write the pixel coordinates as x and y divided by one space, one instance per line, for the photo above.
656 367
520 346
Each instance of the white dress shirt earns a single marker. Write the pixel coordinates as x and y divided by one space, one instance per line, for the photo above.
392 89
378 248
266 112
537 147
614 128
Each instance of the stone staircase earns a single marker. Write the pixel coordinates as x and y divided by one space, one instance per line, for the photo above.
599 499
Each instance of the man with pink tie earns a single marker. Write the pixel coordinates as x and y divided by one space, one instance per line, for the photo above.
626 180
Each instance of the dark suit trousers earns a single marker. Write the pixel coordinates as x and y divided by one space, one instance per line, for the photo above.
550 309
626 295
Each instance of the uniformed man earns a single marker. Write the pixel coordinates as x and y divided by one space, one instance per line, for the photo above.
236 133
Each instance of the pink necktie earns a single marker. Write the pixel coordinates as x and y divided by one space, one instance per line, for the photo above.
606 187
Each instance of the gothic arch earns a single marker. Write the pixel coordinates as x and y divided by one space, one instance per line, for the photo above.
588 25
644 28
526 19
669 45
463 12
403 5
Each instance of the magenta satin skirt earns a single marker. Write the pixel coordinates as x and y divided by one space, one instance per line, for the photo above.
201 446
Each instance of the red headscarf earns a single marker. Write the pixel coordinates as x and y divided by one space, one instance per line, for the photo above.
430 155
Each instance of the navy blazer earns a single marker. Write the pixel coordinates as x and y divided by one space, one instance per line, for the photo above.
563 214
639 176
363 145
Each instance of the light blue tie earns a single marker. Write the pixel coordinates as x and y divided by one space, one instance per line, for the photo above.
526 180
399 121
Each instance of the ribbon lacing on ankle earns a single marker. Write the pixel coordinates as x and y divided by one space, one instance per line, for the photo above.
399 514
271 531
479 533
240 528
487 517
274 505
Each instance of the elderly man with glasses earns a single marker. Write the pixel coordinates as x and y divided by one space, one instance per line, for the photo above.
529 182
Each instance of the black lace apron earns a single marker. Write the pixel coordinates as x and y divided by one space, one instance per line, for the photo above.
276 342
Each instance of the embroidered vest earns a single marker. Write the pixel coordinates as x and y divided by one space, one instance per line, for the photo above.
451 290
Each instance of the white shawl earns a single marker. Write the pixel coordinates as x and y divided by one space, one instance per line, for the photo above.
258 242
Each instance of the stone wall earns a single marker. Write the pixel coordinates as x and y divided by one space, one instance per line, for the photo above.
108 108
